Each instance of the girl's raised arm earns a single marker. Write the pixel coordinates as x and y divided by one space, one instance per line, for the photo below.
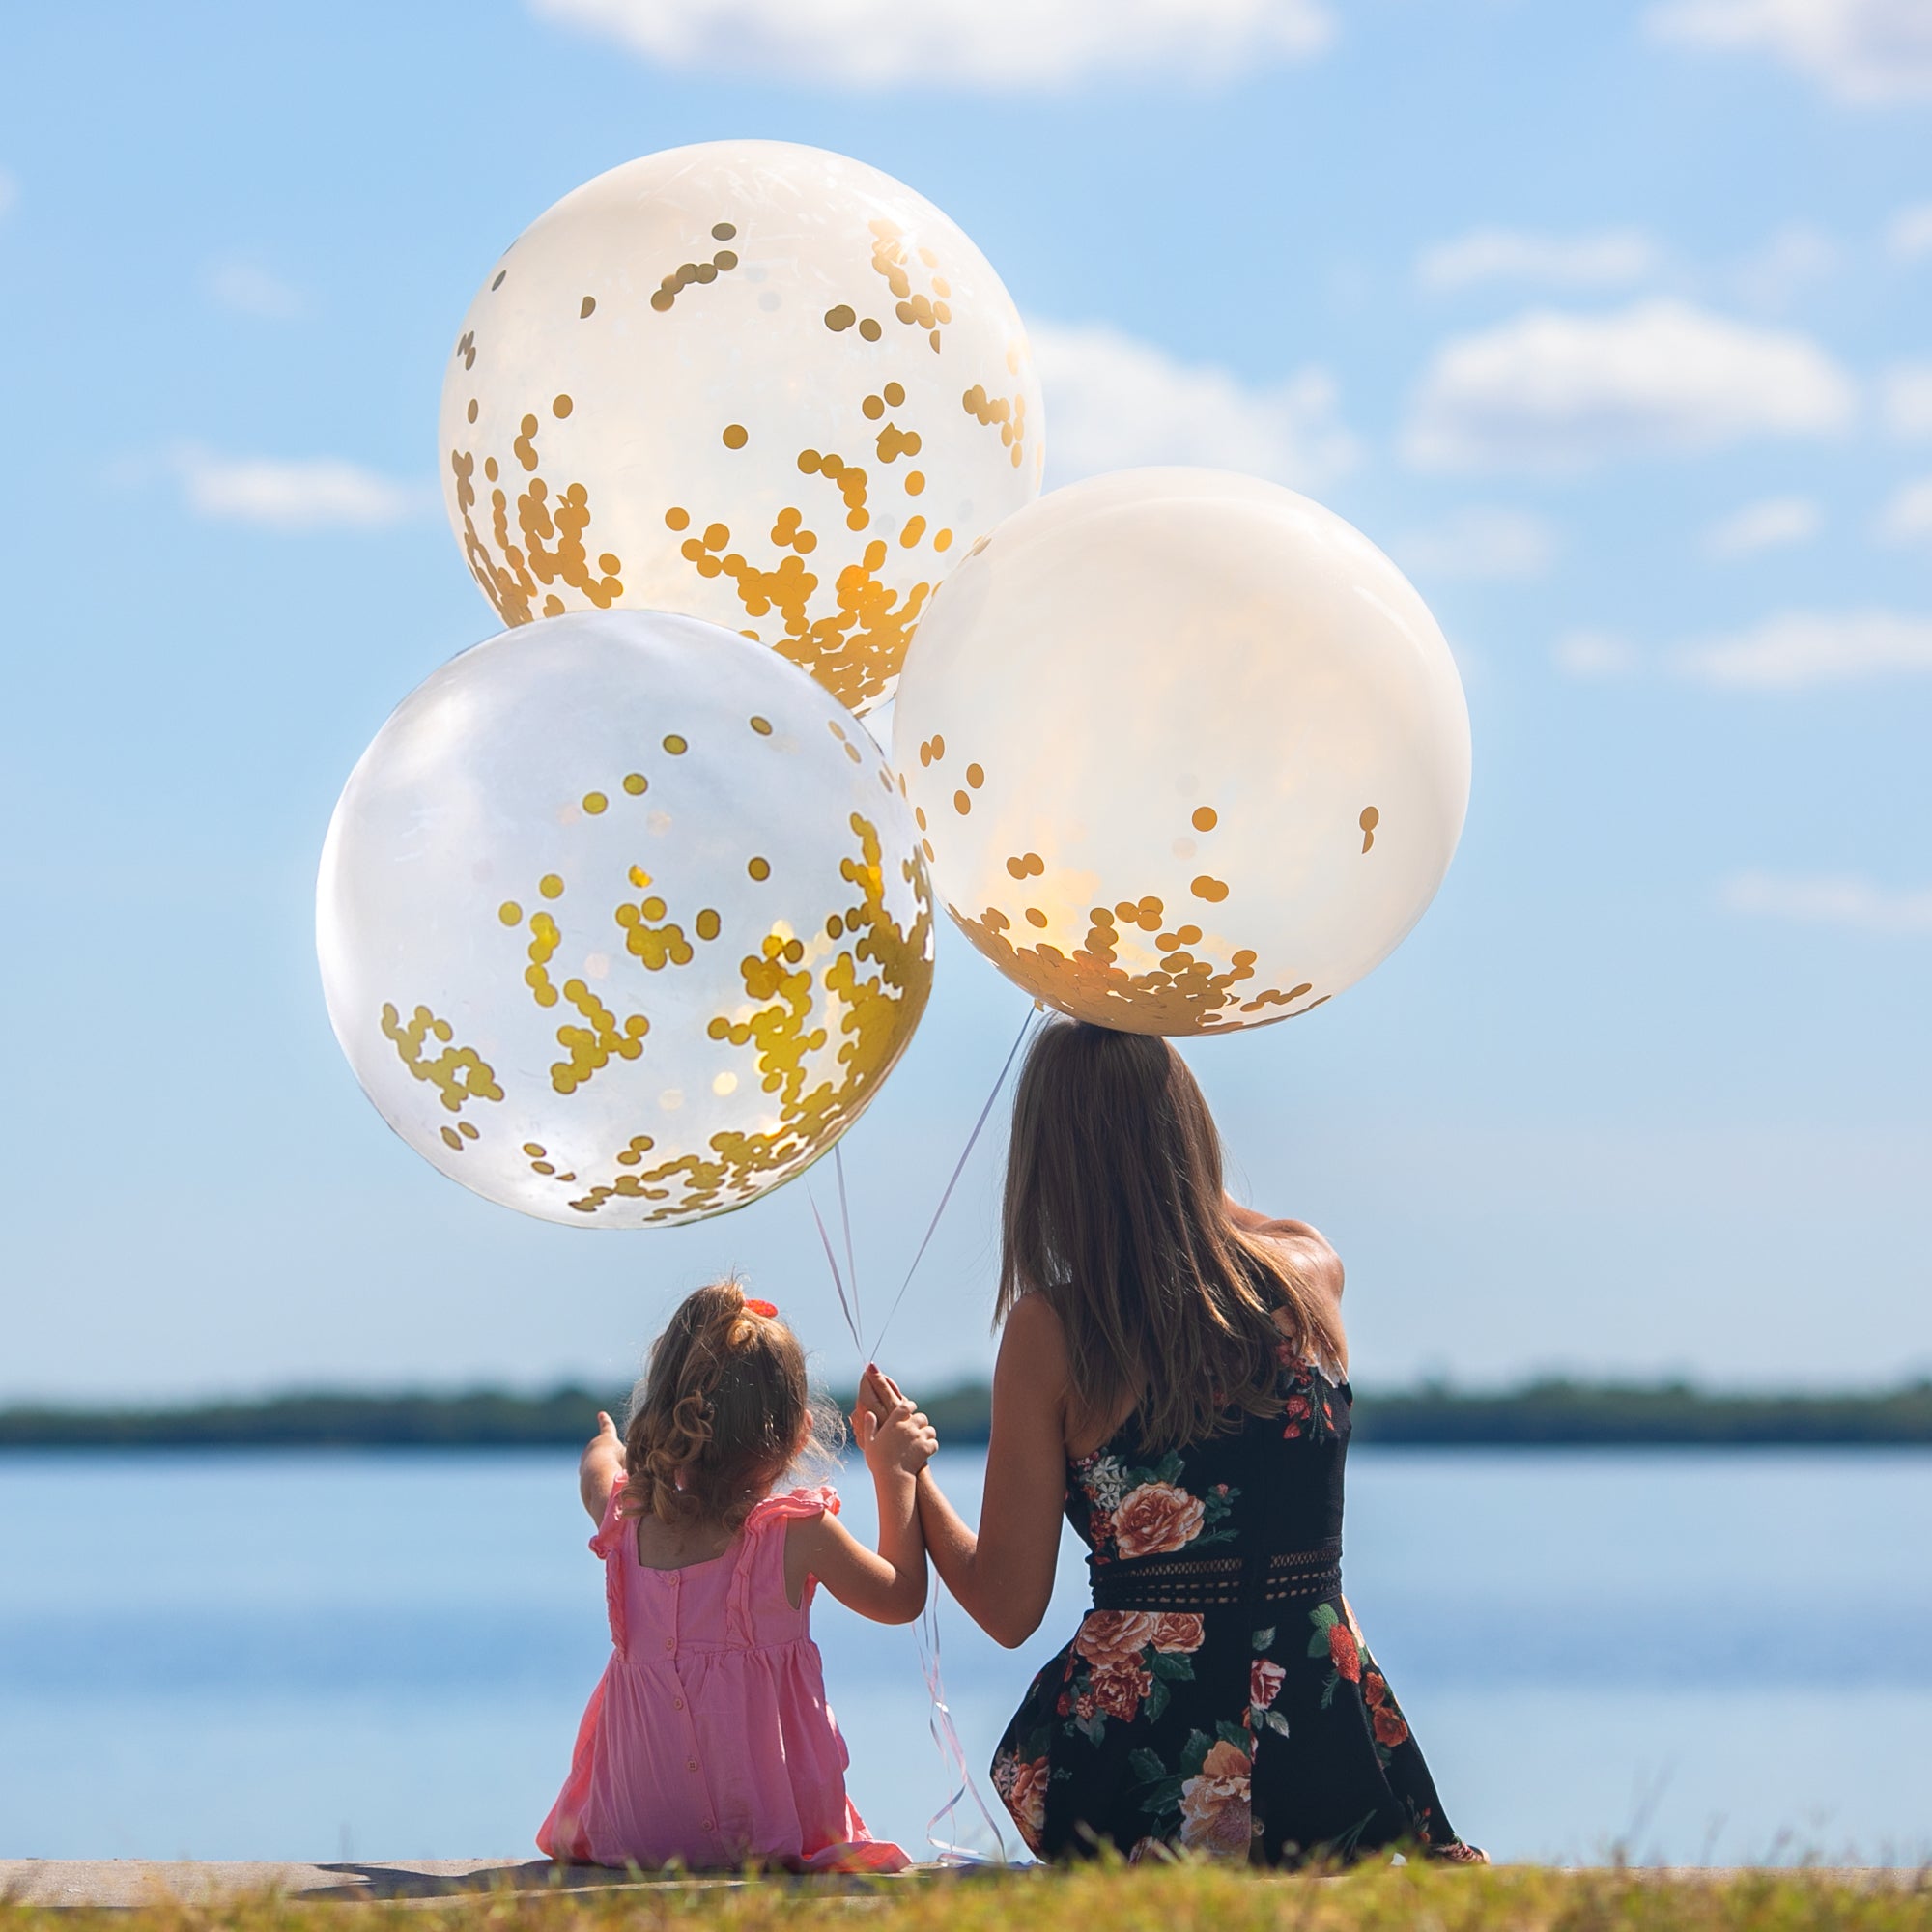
601 1468
889 1584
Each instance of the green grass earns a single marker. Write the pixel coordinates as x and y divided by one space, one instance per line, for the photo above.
1184 1898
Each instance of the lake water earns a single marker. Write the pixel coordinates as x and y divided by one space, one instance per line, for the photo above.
1699 1656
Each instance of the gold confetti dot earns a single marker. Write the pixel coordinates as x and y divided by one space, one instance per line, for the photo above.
975 776
587 309
894 394
531 1148
707 923
594 802
510 913
1213 890
542 1167
874 406
675 746
1035 917
870 330
678 520
942 541
560 407
809 461
723 231
938 746
636 784
735 437
762 726
914 482
962 802
551 886
498 282
760 869
472 408
609 563
841 317
1205 818
450 1135
467 1132
914 530
1367 821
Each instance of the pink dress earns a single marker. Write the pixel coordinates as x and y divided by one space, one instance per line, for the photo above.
708 1739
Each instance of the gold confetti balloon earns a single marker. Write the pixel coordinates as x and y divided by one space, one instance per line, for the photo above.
762 384
622 921
1187 752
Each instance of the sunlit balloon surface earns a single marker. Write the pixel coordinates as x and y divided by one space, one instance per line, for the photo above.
622 920
1186 752
758 382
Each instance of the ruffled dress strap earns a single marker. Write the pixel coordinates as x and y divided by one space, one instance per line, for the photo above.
757 1581
615 1533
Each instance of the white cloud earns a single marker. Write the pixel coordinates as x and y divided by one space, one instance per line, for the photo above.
1613 258
1005 47
1863 52
1907 404
296 494
1908 234
1907 519
1798 649
1552 391
1114 402
1595 654
1481 542
1830 900
247 289
1769 524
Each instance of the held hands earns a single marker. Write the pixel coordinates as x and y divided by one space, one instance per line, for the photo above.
895 1437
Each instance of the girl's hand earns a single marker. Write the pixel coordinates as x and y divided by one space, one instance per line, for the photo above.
604 1448
901 1441
601 1468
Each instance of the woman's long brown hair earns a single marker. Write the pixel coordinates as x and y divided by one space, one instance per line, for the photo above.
1115 1214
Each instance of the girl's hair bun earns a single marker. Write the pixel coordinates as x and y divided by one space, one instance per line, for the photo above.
723 1412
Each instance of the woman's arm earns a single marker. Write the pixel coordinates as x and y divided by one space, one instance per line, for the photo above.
888 1586
601 1468
1003 1576
1310 1254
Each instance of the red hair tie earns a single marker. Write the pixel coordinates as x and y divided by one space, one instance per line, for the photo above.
764 1308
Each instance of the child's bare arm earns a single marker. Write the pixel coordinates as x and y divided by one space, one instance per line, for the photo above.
888 1586
601 1468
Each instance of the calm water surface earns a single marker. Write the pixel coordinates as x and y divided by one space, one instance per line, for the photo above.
1693 1656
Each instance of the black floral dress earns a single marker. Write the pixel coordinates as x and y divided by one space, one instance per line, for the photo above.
1219 1699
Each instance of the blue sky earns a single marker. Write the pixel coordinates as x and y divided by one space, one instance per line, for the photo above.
1611 322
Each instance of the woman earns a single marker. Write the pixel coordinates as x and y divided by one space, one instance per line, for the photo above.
1171 1372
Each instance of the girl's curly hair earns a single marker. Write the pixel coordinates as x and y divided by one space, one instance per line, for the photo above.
723 1412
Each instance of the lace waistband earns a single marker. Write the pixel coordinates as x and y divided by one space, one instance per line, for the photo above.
1184 1582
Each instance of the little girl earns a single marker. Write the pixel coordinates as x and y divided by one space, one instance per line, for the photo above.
708 1741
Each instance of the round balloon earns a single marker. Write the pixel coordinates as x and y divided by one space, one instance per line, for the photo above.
1186 750
758 382
622 921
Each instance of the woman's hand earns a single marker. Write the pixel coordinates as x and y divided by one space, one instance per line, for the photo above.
601 1468
895 1437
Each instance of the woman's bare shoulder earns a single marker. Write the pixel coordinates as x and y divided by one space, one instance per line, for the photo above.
1032 1339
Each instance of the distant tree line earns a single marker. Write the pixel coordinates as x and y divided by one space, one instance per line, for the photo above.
1548 1413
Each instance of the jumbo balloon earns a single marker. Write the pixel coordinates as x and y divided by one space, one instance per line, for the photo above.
622 920
1186 750
758 382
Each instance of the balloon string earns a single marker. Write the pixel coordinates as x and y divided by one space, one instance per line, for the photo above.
959 1167
845 1215
952 1755
838 1282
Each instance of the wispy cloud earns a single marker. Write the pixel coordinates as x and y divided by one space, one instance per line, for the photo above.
1770 525
1115 401
1866 52
1908 234
296 494
249 290
1830 900
1907 518
1790 650
1612 258
1906 400
1005 47
1595 654
1482 542
1793 258
1798 649
1555 391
